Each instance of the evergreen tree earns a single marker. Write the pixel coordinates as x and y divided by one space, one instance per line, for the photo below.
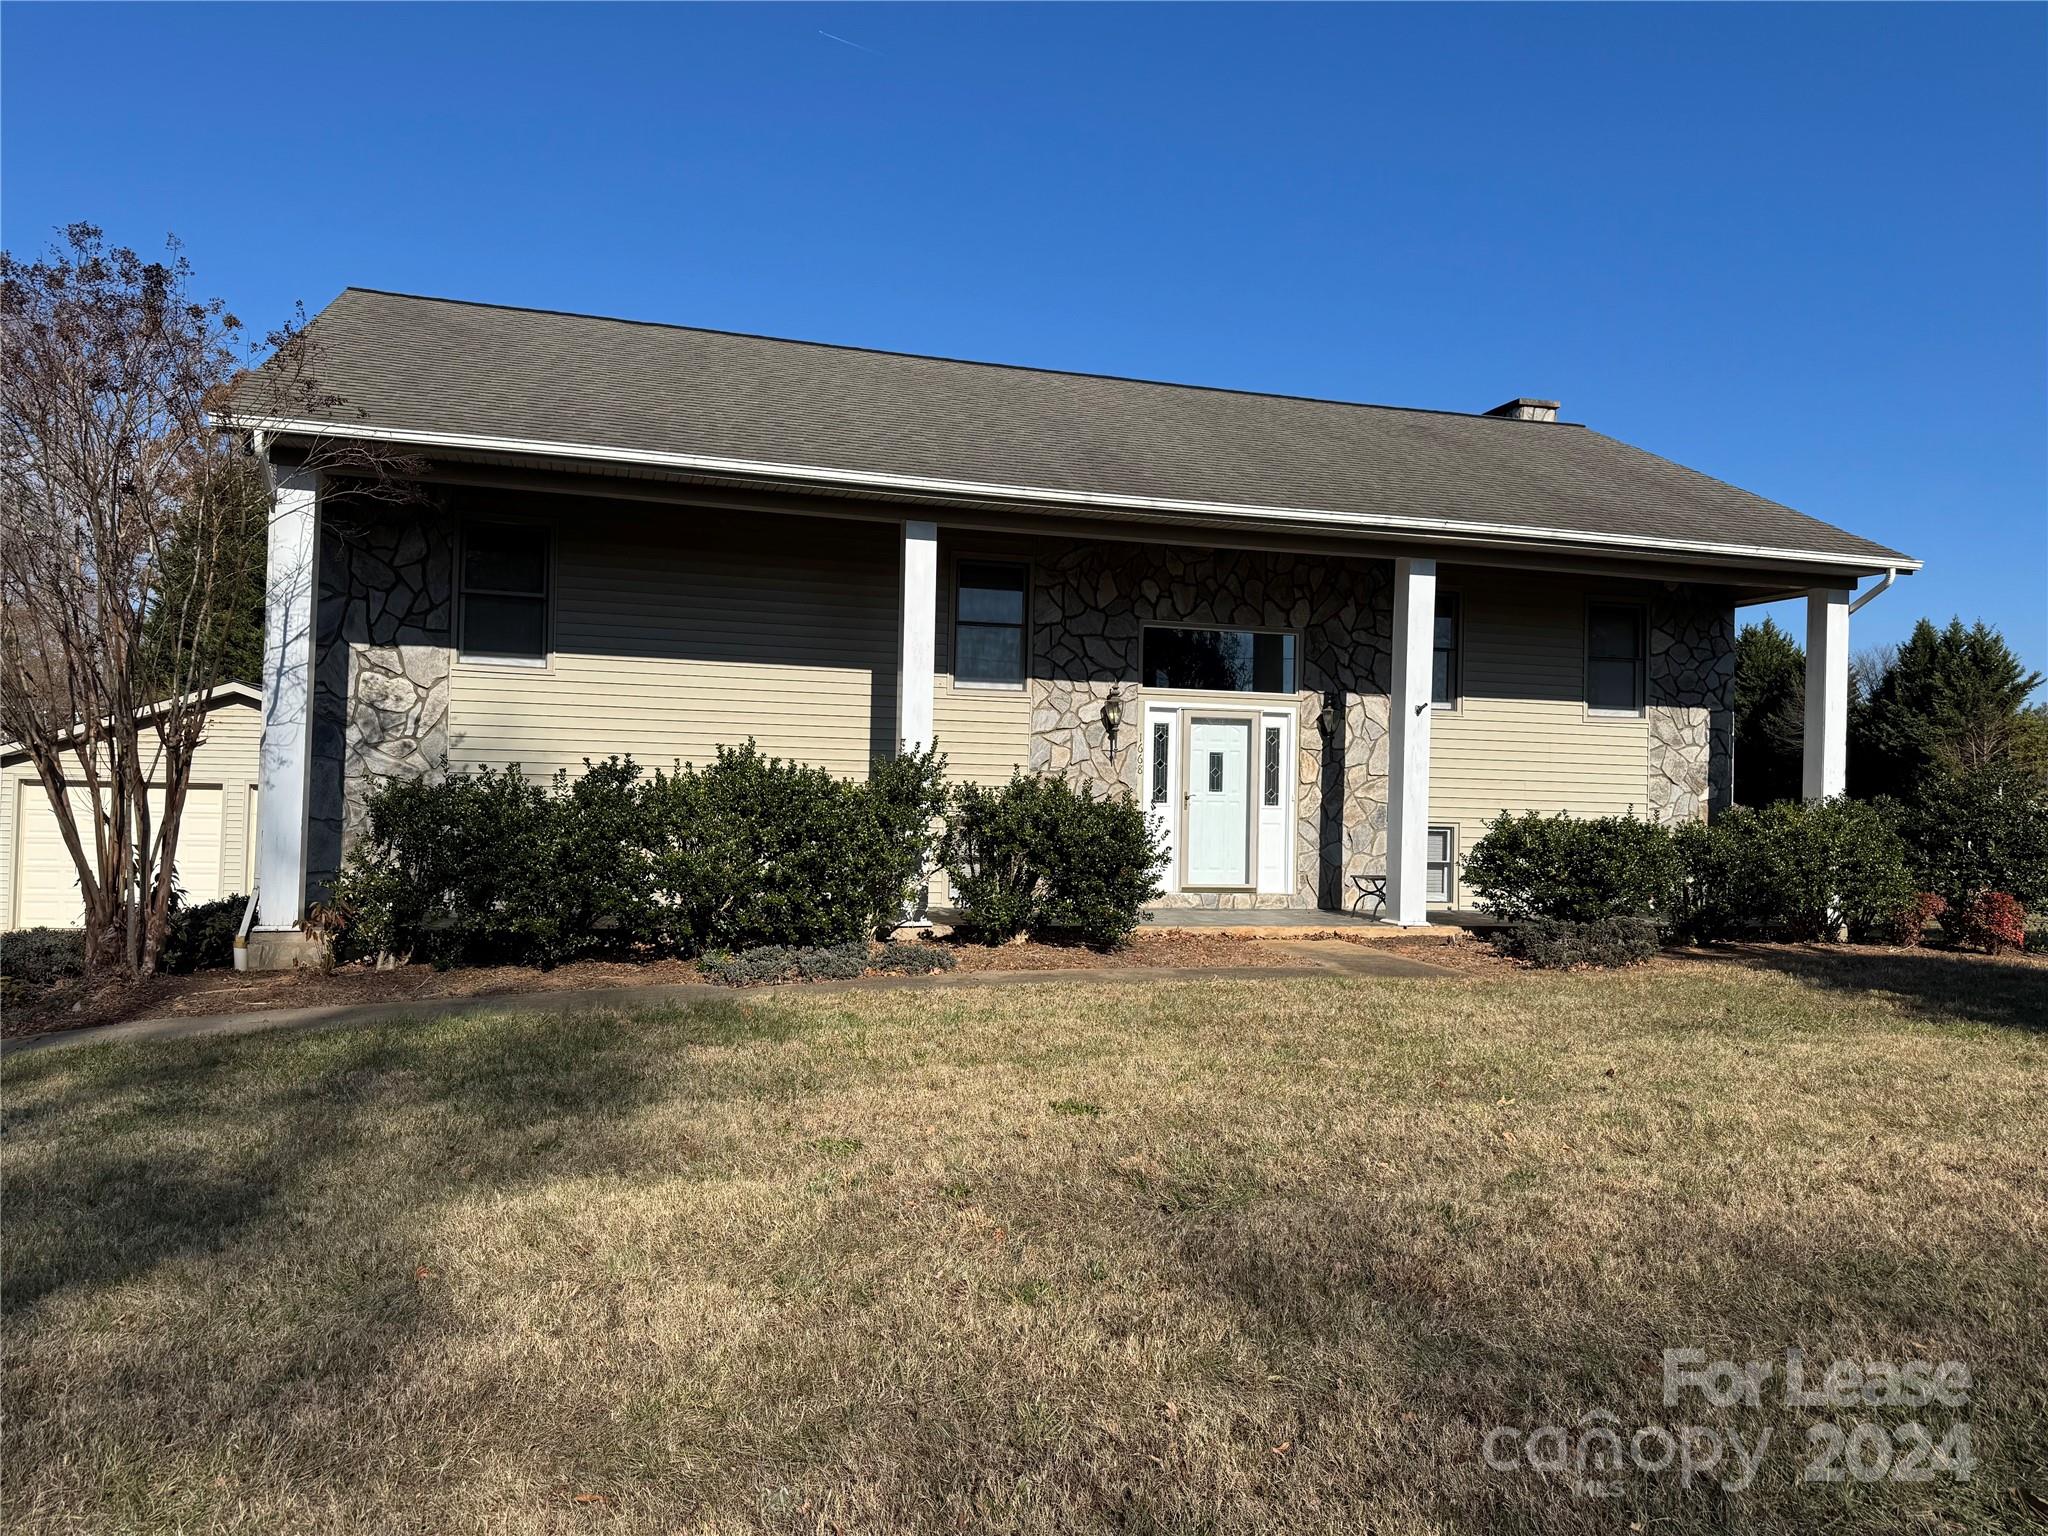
1953 700
1770 707
231 546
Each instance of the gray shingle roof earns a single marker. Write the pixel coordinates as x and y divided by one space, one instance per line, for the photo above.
415 365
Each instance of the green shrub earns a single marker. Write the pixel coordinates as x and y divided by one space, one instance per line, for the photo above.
907 797
202 938
40 956
1981 829
607 890
1038 856
457 868
1796 871
1574 869
784 962
1552 945
914 958
753 850
743 852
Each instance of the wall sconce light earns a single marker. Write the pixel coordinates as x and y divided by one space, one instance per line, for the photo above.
1326 717
1113 716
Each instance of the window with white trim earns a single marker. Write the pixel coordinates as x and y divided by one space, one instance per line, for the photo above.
1614 658
1442 865
1443 671
988 623
505 591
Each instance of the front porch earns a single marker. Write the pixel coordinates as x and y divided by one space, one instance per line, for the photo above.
1296 718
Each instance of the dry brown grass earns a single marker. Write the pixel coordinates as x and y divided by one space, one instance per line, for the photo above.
1220 1256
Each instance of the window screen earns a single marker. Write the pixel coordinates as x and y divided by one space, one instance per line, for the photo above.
504 591
988 623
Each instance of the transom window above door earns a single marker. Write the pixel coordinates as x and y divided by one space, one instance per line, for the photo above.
988 624
1219 660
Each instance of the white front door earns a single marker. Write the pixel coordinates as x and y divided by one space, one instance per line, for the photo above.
1219 802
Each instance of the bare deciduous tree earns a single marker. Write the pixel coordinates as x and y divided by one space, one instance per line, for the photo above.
130 519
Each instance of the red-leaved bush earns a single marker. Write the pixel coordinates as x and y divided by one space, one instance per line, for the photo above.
1911 922
1990 921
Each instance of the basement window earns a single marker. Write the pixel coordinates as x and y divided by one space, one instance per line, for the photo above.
505 592
1442 866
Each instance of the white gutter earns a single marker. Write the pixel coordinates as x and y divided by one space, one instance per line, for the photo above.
1877 591
916 484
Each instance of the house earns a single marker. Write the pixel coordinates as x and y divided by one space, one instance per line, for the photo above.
216 853
1320 641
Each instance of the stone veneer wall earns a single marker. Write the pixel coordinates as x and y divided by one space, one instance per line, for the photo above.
385 642
1691 704
1088 608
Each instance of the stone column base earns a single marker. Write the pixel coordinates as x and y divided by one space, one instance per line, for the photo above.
280 951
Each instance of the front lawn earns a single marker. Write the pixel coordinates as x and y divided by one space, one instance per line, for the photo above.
1213 1255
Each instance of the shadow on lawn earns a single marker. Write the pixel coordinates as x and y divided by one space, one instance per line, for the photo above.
321 1297
144 1175
304 1273
1345 1275
2007 993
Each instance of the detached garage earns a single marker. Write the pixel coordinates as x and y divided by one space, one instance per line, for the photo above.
216 842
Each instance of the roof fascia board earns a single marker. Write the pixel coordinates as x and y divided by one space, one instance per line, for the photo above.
726 495
802 474
219 693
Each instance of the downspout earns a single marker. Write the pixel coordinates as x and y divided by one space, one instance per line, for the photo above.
242 933
1890 576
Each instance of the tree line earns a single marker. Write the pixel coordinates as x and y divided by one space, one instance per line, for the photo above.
1942 733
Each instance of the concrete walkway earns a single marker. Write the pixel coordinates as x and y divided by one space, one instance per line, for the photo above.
1319 958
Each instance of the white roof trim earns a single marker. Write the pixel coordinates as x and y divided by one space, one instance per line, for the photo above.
220 693
815 475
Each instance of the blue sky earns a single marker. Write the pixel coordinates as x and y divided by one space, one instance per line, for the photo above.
1803 249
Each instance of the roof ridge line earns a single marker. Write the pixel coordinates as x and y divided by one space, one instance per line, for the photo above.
964 362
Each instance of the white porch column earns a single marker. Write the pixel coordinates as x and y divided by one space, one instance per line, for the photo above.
1408 742
1827 693
918 655
285 764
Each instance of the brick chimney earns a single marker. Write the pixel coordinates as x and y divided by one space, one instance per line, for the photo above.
1526 409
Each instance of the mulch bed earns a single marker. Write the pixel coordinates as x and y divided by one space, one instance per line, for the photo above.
71 1005
1459 952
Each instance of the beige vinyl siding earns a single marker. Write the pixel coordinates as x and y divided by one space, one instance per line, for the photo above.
1521 738
671 638
214 836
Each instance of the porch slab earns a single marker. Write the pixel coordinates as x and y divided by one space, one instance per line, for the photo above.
1283 923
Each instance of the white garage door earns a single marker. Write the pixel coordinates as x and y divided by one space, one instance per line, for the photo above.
46 881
